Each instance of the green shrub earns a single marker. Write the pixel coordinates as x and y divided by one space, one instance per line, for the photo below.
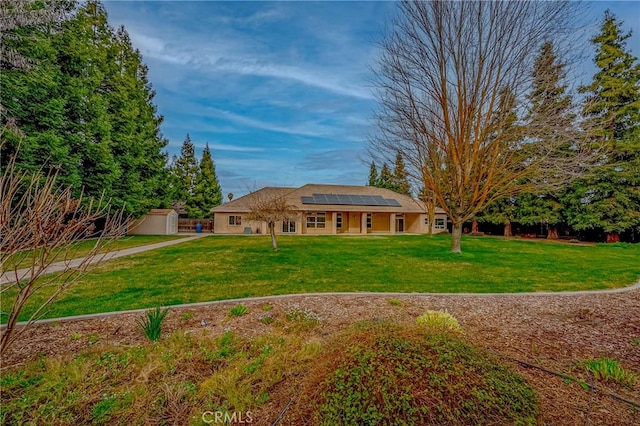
440 321
238 310
151 324
395 302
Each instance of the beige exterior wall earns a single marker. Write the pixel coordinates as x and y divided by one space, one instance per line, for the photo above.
221 224
352 223
380 222
155 224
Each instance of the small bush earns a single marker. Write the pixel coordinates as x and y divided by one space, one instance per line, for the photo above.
266 307
440 321
186 316
238 310
151 324
609 370
395 302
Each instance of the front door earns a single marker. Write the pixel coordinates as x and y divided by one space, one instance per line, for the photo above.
399 223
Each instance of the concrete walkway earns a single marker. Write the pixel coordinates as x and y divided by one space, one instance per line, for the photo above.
20 274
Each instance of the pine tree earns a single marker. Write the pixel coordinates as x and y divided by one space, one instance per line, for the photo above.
373 174
184 172
385 180
207 193
608 199
552 108
400 177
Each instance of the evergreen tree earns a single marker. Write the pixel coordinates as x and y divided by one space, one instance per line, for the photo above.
33 102
400 177
608 199
373 174
83 55
184 172
551 107
500 212
137 141
84 106
207 193
385 180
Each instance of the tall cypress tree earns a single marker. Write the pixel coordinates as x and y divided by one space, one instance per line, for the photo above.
207 193
608 199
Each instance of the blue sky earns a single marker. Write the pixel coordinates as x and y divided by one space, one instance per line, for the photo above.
281 91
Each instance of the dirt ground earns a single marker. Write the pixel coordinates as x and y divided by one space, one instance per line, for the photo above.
552 332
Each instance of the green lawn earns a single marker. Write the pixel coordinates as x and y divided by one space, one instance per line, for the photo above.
223 267
23 259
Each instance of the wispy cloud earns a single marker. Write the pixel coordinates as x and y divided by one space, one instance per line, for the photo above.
305 129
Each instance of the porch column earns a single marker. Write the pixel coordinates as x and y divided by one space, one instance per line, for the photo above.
363 223
334 223
392 223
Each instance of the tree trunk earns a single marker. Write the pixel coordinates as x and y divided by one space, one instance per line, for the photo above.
507 230
456 237
272 231
553 233
474 227
613 237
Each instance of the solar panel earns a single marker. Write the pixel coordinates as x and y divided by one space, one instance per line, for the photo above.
350 200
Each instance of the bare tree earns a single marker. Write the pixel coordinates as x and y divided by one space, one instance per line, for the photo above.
270 205
40 224
451 77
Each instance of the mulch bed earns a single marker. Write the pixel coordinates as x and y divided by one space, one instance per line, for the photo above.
552 332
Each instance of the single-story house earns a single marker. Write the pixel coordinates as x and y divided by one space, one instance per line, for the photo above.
156 222
332 209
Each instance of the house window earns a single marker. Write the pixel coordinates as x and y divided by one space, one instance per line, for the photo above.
368 220
288 227
235 220
440 224
339 220
316 220
426 221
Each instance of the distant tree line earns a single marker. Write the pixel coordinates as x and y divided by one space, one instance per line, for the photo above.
397 181
194 185
76 100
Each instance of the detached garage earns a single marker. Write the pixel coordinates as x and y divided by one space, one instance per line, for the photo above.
156 222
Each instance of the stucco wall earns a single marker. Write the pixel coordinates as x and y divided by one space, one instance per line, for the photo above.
155 224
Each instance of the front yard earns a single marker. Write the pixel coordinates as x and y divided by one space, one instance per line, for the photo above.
225 267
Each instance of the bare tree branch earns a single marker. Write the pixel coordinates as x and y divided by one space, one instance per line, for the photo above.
40 224
271 206
451 77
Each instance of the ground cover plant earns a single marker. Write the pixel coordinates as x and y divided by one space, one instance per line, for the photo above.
382 373
225 267
172 381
